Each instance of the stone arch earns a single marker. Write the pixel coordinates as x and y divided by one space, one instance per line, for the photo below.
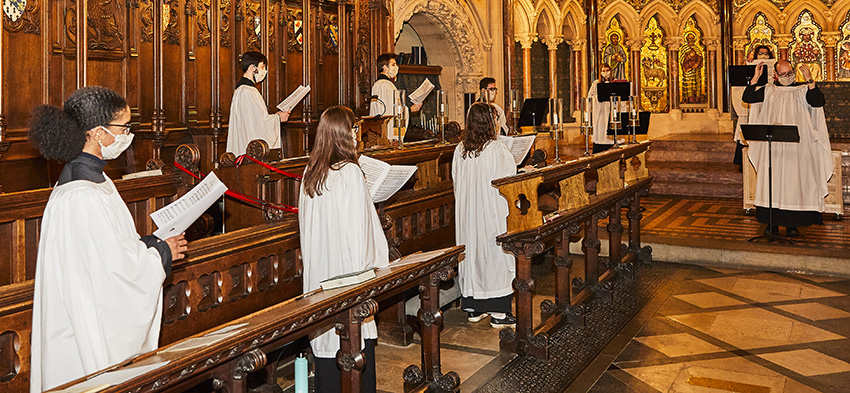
523 15
748 13
573 19
839 12
704 16
628 18
667 18
545 18
793 10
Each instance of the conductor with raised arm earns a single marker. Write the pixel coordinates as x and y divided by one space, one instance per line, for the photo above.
800 170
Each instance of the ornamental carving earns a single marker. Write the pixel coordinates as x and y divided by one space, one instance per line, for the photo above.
22 16
224 25
295 30
170 29
330 33
202 18
807 47
105 24
760 33
248 12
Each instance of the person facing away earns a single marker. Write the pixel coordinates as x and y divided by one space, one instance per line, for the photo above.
340 233
800 170
383 91
249 116
488 91
98 284
485 276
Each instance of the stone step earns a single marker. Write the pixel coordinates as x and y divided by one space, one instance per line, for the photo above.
695 172
720 190
708 151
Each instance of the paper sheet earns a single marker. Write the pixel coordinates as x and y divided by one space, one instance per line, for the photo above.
111 378
421 93
289 102
173 219
518 145
139 175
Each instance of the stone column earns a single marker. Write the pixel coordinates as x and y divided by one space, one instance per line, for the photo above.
509 53
552 45
525 42
830 39
711 74
578 75
726 16
591 25
782 43
738 48
673 74
634 45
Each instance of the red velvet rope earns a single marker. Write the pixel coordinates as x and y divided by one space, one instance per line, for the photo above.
242 197
267 166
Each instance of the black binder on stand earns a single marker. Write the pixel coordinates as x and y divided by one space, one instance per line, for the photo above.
770 133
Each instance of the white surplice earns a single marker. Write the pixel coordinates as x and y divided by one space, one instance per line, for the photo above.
249 120
385 91
800 170
481 215
601 115
98 288
340 233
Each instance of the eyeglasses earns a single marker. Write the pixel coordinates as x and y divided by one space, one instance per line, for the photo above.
789 73
126 127
493 88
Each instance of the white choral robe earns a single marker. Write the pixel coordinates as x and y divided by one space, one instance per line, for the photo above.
385 90
800 170
481 215
340 233
249 120
98 288
601 115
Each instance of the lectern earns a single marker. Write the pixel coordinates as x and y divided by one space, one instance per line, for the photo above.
770 133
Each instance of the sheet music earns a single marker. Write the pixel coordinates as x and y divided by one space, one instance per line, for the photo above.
421 93
111 378
287 104
382 179
518 145
418 257
207 339
769 65
173 219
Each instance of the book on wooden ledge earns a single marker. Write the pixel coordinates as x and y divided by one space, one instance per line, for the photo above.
344 280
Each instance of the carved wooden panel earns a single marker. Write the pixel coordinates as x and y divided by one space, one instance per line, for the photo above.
636 168
609 178
295 30
201 12
10 362
176 298
573 193
210 291
522 204
22 16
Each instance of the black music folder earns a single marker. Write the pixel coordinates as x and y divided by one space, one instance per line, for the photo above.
534 110
740 75
604 91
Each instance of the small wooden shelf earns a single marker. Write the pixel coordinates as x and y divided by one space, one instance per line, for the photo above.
419 69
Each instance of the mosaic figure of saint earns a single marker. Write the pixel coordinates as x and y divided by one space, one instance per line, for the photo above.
844 61
615 56
692 61
809 53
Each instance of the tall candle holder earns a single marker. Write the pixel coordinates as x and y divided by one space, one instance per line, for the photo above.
586 104
614 121
400 114
555 118
634 119
515 111
442 102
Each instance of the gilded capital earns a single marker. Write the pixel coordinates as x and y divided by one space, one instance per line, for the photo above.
552 42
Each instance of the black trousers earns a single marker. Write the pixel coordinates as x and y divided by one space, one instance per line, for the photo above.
328 379
495 304
598 147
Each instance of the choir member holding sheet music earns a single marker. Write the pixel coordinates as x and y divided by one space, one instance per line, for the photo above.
340 233
481 213
249 116
98 285
383 91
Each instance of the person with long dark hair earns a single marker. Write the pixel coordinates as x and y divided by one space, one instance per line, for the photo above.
340 233
486 274
98 284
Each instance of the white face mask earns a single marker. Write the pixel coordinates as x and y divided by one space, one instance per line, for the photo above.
259 75
122 142
606 75
392 71
786 80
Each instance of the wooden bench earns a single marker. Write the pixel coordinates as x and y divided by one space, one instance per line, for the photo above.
227 363
590 189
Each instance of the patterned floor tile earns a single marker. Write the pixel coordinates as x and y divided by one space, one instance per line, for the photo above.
814 311
709 300
682 344
808 362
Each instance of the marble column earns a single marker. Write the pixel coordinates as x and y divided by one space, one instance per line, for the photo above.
591 25
738 48
782 43
552 44
726 15
711 73
525 42
577 74
673 73
634 45
830 39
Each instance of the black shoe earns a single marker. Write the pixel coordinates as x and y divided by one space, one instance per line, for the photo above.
767 230
476 316
508 321
792 231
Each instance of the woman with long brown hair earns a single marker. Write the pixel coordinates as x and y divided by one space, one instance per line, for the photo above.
340 233
486 274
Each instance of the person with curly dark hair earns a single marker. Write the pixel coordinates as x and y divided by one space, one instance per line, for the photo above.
485 276
98 284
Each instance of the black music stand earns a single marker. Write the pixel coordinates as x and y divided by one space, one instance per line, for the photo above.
740 75
604 91
533 111
770 133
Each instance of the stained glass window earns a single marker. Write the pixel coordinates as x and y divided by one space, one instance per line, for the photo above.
653 68
692 65
807 47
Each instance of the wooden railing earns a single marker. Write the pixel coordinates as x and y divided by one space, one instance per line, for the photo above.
226 363
590 189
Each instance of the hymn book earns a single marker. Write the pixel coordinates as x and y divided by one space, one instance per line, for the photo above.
518 145
384 180
344 280
139 175
287 104
175 218
421 93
